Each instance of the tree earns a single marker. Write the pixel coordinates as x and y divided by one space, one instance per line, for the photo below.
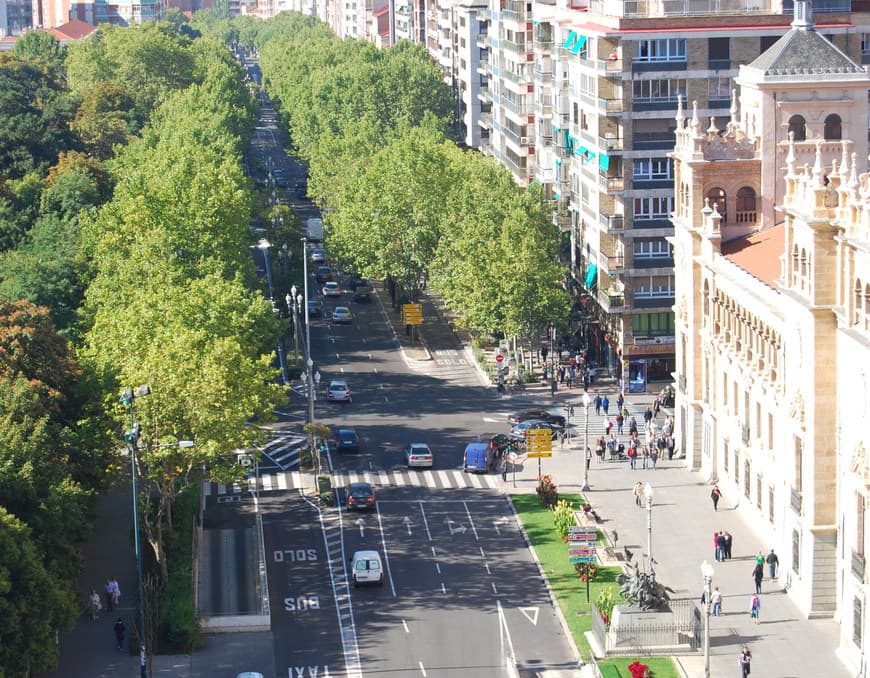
39 46
107 117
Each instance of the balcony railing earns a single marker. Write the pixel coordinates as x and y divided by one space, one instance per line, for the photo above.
518 78
610 143
611 301
610 105
858 566
744 434
513 46
614 184
681 383
611 222
634 9
796 501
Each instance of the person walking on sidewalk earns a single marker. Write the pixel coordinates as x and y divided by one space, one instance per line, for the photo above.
637 492
588 457
605 405
647 415
744 662
116 591
620 420
720 546
94 605
715 495
620 401
632 426
772 563
109 592
120 630
728 540
755 611
597 402
758 575
632 453
716 599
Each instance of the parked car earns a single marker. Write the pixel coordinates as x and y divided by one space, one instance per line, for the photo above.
341 316
323 274
366 568
331 289
541 415
355 281
519 431
315 309
418 455
346 440
338 391
499 442
478 458
318 256
360 496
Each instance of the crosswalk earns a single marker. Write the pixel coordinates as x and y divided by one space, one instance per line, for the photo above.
294 480
284 449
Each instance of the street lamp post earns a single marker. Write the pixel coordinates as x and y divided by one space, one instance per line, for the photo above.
586 402
648 493
294 301
264 245
707 573
131 437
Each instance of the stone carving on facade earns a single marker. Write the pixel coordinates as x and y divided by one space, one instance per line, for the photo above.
858 465
796 408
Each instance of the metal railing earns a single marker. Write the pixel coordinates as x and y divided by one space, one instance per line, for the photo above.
796 501
683 635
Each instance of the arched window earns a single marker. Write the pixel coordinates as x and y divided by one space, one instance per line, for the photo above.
858 303
798 126
746 205
716 196
795 266
833 127
805 270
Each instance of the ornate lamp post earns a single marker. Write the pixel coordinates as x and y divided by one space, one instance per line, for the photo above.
586 402
707 573
648 493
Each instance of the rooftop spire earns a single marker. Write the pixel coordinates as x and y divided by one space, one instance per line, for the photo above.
803 16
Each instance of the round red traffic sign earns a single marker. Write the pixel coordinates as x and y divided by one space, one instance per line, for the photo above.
499 358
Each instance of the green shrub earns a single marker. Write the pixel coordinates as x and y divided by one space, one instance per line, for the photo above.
547 492
563 518
604 601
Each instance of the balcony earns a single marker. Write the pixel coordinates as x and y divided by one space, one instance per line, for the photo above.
518 138
611 106
744 434
616 263
485 120
611 301
518 47
610 143
681 383
611 222
654 141
517 107
858 566
516 78
610 184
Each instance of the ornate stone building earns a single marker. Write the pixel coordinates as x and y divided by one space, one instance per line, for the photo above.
772 225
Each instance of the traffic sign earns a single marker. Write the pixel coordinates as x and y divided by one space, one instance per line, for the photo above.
412 314
580 537
499 358
585 551
590 533
582 559
539 455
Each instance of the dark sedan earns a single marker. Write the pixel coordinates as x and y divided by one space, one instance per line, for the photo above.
541 415
498 442
360 496
346 440
315 309
519 431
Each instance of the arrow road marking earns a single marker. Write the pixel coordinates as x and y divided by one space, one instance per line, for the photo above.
454 530
362 527
407 521
530 613
496 523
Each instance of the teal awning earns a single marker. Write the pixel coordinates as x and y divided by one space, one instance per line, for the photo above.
604 162
591 276
558 161
572 36
581 42
590 157
580 150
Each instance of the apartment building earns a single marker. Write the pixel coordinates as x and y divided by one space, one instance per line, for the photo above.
16 16
606 83
773 313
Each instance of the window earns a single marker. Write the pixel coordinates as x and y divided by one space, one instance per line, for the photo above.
654 287
767 42
716 196
747 477
719 49
758 491
673 49
588 84
798 464
725 457
798 126
771 497
833 128
653 169
652 248
646 209
653 325
796 551
719 89
746 199
858 622
650 91
859 523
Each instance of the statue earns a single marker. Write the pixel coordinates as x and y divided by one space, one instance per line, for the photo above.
642 590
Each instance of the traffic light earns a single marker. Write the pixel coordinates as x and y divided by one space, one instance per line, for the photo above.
132 436
127 397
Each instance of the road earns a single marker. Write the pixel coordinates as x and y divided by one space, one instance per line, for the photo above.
462 590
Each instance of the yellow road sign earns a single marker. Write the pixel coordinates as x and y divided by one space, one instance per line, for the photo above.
539 455
412 314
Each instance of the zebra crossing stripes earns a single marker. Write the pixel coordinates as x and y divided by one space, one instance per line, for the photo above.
295 480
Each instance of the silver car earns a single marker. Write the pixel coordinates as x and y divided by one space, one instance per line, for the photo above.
338 391
418 455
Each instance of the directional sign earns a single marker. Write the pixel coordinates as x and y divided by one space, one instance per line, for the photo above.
574 536
539 455
589 533
582 559
585 551
412 314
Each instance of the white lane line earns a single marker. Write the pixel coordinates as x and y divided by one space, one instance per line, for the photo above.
429 478
267 482
381 386
337 355
415 479
282 481
386 400
422 669
426 524
397 479
341 369
494 589
383 479
376 370
460 480
438 567
473 528
405 624
370 357
486 565
476 481
443 588
482 553
386 555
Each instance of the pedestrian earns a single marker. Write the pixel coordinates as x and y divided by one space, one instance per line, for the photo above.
648 415
605 404
553 385
562 371
728 538
544 352
588 457
632 453
120 629
645 453
585 381
759 559
671 447
609 427
109 592
94 605
656 407
716 551
620 401
720 547
716 599
597 402
637 492
744 661
715 494
772 563
654 457
572 370
632 426
755 611
116 591
758 575
613 447
620 420
569 379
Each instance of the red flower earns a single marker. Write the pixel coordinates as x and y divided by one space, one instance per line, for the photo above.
638 670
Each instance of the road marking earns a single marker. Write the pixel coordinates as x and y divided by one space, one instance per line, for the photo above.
494 589
426 523
407 522
475 481
482 552
422 669
415 479
473 528
386 400
370 357
397 478
438 567
429 478
486 565
267 483
530 613
282 482
352 477
383 478
386 554
460 479
443 588
405 624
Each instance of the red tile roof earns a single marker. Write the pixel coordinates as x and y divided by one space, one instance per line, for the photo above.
76 29
759 254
